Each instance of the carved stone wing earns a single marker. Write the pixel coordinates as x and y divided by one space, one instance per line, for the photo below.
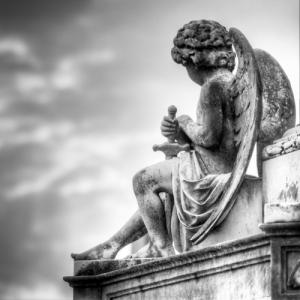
278 104
247 97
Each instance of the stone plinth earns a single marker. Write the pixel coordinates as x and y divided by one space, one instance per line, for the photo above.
209 272
281 179
280 185
244 218
236 270
94 267
262 267
285 260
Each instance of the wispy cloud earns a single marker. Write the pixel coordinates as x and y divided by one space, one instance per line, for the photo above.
71 69
41 290
74 155
14 46
15 53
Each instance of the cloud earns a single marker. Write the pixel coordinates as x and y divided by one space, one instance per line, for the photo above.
94 57
15 54
25 131
33 86
14 46
84 85
106 179
14 13
70 69
38 291
68 74
87 155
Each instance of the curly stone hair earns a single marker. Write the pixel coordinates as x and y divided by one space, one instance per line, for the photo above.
203 44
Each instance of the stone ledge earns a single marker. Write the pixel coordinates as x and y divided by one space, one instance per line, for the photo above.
280 228
183 276
95 267
140 269
262 267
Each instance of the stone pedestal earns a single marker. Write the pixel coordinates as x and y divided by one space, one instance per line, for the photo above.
244 218
232 263
237 270
263 267
239 260
281 179
285 260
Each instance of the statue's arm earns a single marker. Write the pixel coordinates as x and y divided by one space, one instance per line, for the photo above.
207 130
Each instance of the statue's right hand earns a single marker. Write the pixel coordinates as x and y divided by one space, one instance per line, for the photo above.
169 127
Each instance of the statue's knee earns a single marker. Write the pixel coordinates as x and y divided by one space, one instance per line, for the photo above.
142 182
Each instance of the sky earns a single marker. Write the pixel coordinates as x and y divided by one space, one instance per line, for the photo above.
83 88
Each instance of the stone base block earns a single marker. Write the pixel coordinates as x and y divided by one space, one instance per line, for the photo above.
262 267
236 270
282 212
281 177
243 219
94 267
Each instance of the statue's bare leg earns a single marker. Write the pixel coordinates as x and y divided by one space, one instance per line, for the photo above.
148 183
130 232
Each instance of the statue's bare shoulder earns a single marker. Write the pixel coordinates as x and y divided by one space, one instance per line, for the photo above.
215 104
215 95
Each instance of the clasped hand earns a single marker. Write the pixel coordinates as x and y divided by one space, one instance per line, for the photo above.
169 128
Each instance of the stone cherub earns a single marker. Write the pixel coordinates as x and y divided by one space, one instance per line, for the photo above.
202 181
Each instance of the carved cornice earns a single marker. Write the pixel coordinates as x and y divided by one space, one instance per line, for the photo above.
288 143
256 248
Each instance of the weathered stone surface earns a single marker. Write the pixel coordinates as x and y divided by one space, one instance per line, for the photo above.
282 212
278 103
244 218
247 212
218 146
281 229
288 143
95 267
208 202
281 178
261 267
236 270
245 86
285 260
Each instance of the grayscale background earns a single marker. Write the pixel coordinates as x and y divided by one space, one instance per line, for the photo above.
83 87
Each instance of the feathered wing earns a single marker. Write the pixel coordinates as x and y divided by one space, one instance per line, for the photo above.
247 97
278 103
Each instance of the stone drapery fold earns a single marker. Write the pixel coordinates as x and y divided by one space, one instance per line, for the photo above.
195 192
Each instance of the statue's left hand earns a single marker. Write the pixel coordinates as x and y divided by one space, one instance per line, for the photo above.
169 128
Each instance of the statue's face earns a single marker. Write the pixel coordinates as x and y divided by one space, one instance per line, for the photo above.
196 74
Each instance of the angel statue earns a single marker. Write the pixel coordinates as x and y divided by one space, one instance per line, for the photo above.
237 108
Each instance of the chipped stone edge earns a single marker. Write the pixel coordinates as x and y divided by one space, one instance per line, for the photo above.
163 264
282 146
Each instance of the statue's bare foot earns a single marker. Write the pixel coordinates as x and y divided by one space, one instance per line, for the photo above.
107 250
165 251
145 252
150 251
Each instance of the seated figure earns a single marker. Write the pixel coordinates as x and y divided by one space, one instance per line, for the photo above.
197 179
